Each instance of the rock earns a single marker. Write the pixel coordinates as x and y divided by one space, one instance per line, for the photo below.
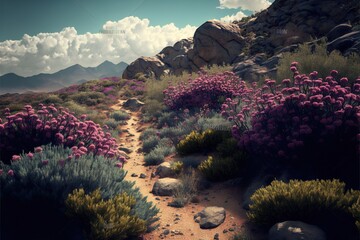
166 232
142 175
345 42
150 66
164 170
165 186
133 104
126 150
338 31
295 230
217 43
210 217
216 236
134 175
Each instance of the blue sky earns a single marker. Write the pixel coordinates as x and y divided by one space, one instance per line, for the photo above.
46 36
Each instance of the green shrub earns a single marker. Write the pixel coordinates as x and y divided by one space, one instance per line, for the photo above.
76 108
105 219
88 98
120 115
191 161
315 202
148 132
219 169
153 108
52 98
41 183
177 166
150 143
196 142
319 60
154 158
112 124
186 191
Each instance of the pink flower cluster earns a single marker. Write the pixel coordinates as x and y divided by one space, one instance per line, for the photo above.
206 90
29 129
306 112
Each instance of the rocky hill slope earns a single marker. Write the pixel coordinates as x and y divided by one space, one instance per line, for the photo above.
255 44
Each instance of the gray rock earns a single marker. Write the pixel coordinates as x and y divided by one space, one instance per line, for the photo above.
210 217
296 230
132 104
142 175
165 186
164 170
345 42
338 31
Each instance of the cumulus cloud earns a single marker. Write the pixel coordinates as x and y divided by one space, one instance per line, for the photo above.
252 5
230 18
123 40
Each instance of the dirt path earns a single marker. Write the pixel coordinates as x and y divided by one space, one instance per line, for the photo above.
179 222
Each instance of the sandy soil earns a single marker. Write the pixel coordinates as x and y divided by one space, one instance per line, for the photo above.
179 221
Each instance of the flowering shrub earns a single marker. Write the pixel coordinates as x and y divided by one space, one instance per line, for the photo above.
105 219
39 183
204 90
316 202
312 119
30 128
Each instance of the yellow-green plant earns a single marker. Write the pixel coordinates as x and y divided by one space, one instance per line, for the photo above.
197 142
313 201
218 169
105 219
177 166
321 60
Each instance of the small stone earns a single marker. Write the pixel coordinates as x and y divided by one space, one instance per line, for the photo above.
216 236
157 198
166 232
134 175
231 229
142 175
225 231
177 219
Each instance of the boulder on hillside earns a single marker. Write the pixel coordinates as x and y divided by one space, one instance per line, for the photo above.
338 31
210 217
296 230
217 42
150 66
165 186
133 104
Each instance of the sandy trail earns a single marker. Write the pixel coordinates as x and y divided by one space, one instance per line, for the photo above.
179 219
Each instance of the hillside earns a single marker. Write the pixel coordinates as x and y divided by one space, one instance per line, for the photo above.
44 82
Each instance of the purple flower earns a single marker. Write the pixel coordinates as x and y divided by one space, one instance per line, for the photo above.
10 173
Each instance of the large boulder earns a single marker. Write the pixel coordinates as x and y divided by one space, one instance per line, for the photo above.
150 66
165 186
210 217
296 230
217 43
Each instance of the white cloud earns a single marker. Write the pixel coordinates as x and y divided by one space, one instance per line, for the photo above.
124 40
230 18
252 5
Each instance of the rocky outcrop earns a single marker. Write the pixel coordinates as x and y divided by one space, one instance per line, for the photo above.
210 217
254 46
165 186
293 230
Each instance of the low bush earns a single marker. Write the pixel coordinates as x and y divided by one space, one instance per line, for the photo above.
319 58
29 128
120 116
321 202
148 132
150 143
177 166
283 123
186 191
205 91
219 169
88 98
105 219
157 155
206 141
37 184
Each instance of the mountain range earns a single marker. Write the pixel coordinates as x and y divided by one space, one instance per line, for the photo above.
44 82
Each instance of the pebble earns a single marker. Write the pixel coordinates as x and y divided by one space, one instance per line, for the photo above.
142 175
134 175
231 229
166 232
216 236
225 231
